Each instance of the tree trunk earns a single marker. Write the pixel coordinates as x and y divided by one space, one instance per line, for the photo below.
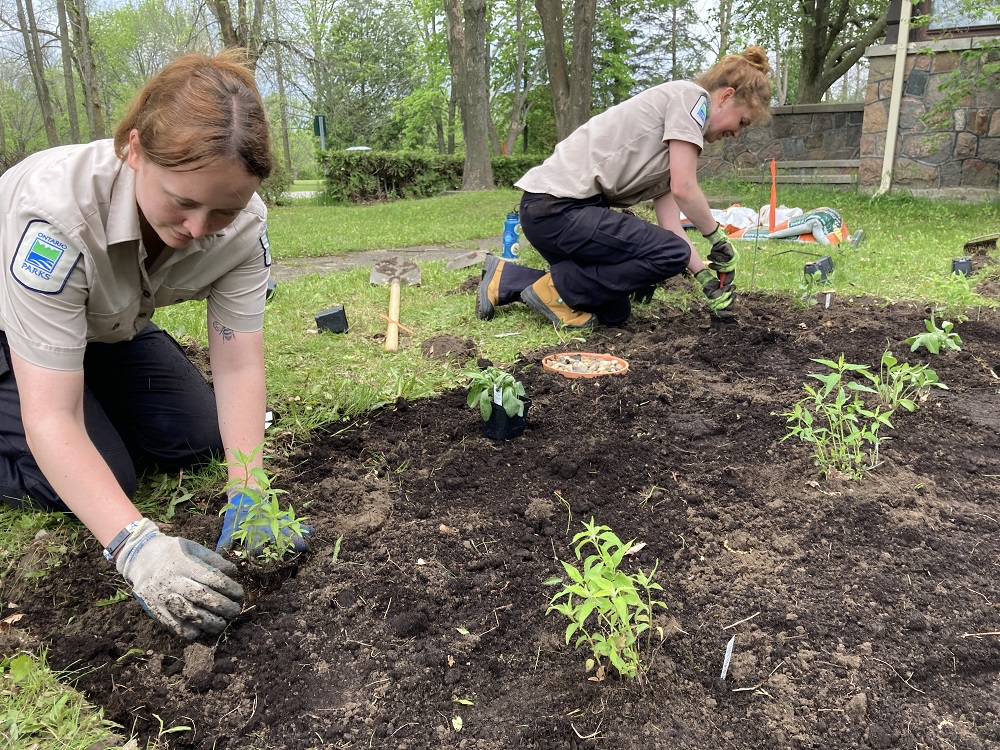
87 68
571 95
523 84
29 30
467 53
286 147
67 66
243 31
582 67
829 50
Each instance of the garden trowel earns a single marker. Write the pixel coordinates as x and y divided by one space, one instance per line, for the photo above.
395 272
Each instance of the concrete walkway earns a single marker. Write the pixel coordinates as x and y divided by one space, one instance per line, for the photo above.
290 268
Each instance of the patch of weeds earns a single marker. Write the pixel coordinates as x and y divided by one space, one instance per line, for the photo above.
609 610
37 710
936 338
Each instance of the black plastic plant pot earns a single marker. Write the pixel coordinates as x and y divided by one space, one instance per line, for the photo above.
962 266
500 427
823 266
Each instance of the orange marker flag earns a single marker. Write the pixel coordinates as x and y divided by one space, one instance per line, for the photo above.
774 198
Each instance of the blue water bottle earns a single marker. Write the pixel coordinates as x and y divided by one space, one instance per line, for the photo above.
511 235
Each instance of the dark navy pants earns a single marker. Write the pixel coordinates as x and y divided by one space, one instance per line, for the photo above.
145 406
598 256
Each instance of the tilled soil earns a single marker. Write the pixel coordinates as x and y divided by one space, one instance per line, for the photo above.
864 612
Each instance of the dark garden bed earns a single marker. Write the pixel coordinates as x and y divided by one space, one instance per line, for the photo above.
855 605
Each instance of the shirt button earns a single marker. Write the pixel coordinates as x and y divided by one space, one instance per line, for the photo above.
143 315
116 326
145 293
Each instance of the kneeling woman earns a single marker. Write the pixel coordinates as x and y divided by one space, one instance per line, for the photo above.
644 148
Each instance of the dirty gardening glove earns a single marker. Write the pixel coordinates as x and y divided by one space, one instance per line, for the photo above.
723 257
178 582
720 298
235 516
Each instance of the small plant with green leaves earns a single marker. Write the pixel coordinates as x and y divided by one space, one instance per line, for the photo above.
492 385
264 525
844 430
608 609
936 338
902 385
809 287
954 294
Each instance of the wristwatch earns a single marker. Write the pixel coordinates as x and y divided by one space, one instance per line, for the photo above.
116 544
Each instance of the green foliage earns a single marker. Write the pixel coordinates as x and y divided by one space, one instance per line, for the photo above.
608 609
490 383
276 185
936 338
266 526
844 430
365 176
509 169
900 384
36 710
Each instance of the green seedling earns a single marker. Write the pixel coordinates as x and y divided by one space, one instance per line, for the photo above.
936 338
608 609
492 383
834 417
902 385
266 525
810 286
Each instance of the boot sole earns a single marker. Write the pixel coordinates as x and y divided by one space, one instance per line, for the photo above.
485 310
532 300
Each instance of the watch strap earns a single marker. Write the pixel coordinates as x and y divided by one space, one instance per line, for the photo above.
116 544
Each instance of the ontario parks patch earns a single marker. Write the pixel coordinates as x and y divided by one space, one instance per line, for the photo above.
44 259
699 112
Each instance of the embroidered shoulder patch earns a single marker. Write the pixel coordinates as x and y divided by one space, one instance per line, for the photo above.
44 259
699 113
266 244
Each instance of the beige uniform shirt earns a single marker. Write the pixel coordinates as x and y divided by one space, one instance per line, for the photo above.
623 152
73 259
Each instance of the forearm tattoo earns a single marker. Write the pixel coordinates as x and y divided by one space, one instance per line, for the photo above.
228 334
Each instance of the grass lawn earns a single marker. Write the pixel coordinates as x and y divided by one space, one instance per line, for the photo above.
317 379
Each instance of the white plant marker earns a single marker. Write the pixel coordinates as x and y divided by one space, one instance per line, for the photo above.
729 656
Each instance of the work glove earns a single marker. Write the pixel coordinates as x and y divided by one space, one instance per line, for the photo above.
178 582
719 297
723 257
235 515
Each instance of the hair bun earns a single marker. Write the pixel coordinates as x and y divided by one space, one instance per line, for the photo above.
757 56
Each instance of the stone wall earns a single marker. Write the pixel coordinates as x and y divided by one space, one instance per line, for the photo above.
959 156
802 132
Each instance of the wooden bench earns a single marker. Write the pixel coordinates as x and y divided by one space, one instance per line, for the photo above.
804 172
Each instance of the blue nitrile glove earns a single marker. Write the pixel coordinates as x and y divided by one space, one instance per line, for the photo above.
236 513
178 582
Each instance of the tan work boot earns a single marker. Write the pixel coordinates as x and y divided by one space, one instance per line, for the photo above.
488 293
543 298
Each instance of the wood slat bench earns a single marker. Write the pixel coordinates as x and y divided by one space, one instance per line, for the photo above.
804 172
